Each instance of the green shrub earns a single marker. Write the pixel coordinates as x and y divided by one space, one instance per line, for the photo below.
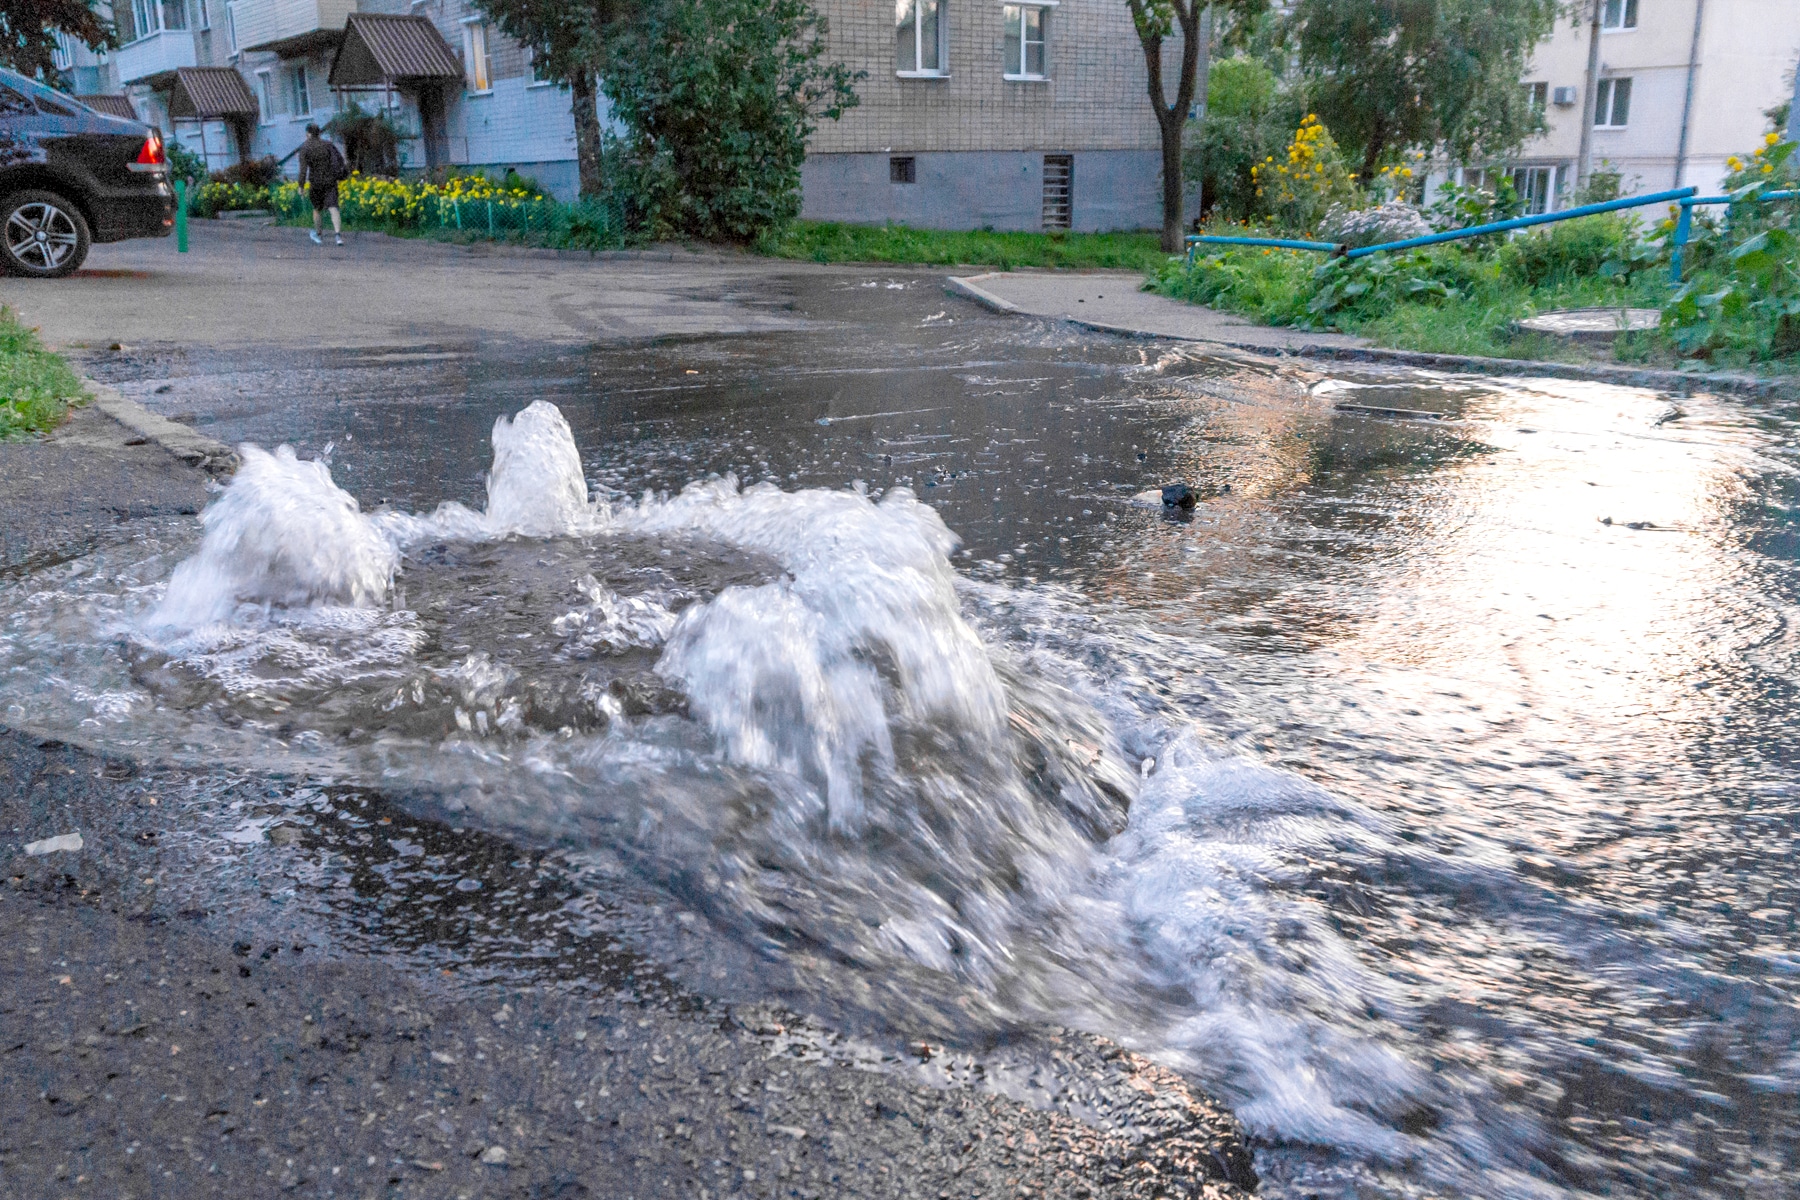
1741 300
36 386
718 98
1569 250
1249 118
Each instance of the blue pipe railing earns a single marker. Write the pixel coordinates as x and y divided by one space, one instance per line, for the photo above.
1434 239
1684 224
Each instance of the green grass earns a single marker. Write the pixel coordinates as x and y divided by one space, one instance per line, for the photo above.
828 242
1473 314
37 387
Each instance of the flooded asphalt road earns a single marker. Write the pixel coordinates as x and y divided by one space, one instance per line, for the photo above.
1459 858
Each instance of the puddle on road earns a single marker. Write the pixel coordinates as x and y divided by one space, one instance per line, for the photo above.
1427 791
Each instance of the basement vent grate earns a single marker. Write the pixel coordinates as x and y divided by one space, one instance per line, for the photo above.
1059 190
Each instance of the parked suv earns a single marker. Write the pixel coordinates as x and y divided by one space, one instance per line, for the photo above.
70 176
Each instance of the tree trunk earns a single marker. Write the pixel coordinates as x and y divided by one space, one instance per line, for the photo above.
1172 231
1171 117
584 103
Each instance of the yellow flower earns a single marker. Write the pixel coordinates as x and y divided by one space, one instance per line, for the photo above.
1772 139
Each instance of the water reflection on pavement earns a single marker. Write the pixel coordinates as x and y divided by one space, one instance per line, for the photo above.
1537 933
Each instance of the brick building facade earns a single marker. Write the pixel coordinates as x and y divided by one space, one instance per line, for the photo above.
967 119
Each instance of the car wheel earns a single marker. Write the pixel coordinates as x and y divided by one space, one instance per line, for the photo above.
42 235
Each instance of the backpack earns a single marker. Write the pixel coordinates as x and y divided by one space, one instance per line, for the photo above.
340 169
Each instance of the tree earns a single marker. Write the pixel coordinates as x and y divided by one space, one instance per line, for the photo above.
569 41
719 97
1156 22
28 30
1392 75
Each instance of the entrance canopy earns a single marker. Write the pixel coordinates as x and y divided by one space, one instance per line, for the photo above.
387 50
210 93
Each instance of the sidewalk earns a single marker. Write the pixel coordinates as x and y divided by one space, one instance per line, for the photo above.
1111 300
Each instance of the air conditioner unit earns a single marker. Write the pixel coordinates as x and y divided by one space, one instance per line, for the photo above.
1563 96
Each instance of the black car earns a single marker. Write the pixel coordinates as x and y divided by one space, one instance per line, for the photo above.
70 176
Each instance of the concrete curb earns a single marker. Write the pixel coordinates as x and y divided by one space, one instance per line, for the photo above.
196 449
1680 382
965 287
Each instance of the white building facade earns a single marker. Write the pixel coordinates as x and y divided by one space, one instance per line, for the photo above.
1681 86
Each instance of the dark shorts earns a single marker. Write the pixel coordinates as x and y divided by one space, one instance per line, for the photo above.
322 195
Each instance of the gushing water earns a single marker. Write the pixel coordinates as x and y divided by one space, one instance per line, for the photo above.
931 799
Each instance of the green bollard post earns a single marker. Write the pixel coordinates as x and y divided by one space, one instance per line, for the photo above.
181 216
490 205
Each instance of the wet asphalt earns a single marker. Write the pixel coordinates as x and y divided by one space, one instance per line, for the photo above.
351 999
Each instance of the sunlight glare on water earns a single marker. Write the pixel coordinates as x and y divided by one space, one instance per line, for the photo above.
1428 793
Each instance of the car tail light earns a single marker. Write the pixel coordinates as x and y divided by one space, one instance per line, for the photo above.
150 156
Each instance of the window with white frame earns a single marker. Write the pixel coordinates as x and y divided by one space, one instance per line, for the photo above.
63 57
539 74
302 91
477 73
1026 26
921 38
1612 104
1535 187
201 10
265 95
1537 98
231 26
1618 14
174 14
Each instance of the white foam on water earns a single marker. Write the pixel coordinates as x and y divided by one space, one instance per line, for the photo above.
284 535
937 804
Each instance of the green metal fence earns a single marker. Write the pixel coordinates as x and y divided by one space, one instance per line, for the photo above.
589 224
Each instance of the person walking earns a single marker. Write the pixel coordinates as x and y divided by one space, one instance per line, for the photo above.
322 168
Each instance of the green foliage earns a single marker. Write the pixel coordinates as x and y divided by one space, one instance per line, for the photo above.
1450 299
36 386
719 97
28 30
1741 300
1300 185
1249 118
822 241
371 140
214 197
1607 245
1393 75
255 172
1464 206
184 163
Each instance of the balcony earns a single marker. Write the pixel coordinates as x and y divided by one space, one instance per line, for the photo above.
164 50
289 27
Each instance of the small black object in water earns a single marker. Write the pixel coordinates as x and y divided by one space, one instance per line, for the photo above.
1179 495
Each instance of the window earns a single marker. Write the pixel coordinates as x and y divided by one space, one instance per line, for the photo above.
1612 104
539 78
920 37
476 74
231 26
265 95
205 16
1025 25
1537 98
1536 188
63 57
903 169
12 104
1618 14
302 93
174 14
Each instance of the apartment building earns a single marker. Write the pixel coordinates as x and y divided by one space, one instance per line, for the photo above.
1682 85
1021 115
976 113
233 79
